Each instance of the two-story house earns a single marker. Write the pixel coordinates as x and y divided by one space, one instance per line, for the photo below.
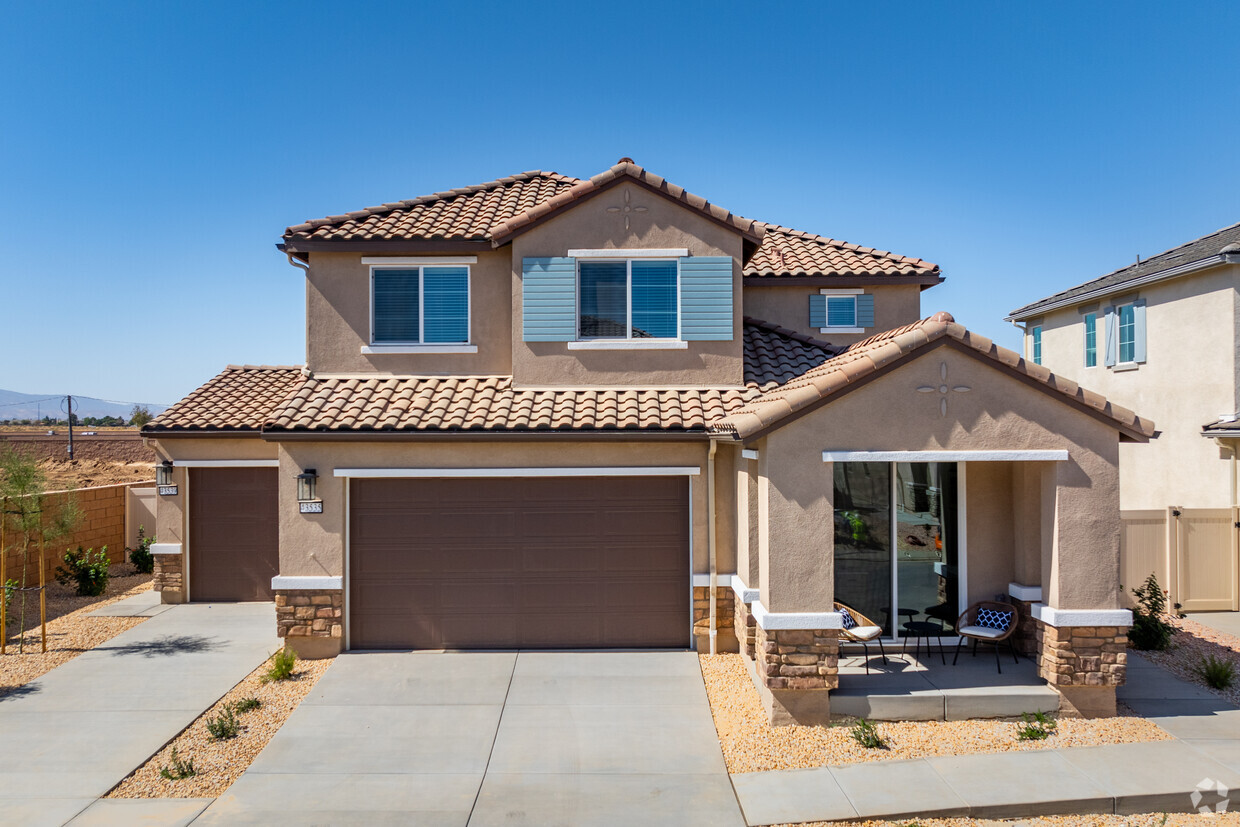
1162 335
552 412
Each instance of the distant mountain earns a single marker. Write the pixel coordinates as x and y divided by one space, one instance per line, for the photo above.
14 405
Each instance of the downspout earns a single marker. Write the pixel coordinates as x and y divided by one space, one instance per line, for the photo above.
710 539
300 265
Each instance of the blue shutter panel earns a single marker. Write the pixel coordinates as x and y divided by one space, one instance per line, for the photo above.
706 298
549 299
865 310
1138 318
1112 335
817 310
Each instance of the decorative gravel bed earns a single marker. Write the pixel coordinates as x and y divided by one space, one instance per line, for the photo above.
751 744
1142 820
70 629
1189 645
219 763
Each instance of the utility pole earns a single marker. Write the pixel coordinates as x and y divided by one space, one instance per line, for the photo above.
70 399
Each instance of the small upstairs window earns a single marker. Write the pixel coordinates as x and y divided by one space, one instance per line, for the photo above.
841 311
1125 335
1036 345
629 299
1091 340
419 305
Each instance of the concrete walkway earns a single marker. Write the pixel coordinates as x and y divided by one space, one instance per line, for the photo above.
488 738
1157 776
1226 622
76 732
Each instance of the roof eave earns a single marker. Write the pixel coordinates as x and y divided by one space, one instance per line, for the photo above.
926 281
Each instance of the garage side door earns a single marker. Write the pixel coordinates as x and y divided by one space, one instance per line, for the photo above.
234 547
509 563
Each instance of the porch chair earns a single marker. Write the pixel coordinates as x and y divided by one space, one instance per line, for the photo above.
860 629
989 622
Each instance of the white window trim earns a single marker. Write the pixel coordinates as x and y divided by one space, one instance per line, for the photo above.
1035 344
1122 364
419 346
418 260
604 343
842 291
226 463
457 473
620 255
377 350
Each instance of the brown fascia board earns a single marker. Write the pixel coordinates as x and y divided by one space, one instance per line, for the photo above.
250 432
829 281
386 246
506 239
483 436
1126 434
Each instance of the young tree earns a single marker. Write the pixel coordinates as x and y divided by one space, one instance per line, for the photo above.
140 415
29 516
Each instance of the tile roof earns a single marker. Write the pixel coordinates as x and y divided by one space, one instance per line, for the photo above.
785 252
1221 242
1222 427
774 355
241 398
872 355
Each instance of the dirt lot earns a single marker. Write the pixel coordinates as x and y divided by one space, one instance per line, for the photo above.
84 473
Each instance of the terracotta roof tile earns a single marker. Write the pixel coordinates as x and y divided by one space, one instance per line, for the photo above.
785 252
239 399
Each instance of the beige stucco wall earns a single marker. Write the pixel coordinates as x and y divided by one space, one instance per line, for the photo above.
894 306
1000 412
1188 380
665 224
338 320
313 544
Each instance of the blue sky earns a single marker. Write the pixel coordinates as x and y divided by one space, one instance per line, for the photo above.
151 154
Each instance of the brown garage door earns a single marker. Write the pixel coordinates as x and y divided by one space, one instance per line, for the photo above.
508 563
234 536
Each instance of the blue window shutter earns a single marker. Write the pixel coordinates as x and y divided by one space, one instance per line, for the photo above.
865 310
706 298
1138 313
1112 332
549 299
817 310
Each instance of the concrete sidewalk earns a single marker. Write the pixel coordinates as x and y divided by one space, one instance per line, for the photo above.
1158 776
77 731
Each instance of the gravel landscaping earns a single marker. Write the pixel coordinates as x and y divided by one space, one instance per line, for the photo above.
751 744
218 763
70 629
1190 644
1143 820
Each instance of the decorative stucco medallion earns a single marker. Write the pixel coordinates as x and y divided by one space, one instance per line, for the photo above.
943 389
626 209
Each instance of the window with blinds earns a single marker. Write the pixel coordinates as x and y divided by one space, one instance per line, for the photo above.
420 305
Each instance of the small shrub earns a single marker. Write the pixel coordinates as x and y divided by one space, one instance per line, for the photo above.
1150 630
177 768
224 726
1036 727
141 558
246 705
282 664
86 570
10 589
866 734
1219 673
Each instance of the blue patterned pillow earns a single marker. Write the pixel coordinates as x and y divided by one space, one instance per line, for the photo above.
850 622
993 619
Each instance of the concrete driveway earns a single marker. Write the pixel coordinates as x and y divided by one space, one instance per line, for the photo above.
489 738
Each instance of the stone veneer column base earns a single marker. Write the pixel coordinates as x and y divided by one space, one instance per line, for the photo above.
1085 664
745 626
169 578
1026 635
795 671
725 638
311 621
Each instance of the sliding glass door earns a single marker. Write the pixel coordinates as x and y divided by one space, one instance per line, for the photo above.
897 543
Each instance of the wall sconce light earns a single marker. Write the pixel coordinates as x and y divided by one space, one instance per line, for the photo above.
307 492
163 479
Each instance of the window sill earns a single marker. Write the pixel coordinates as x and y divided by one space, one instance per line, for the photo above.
377 350
628 344
841 330
1123 366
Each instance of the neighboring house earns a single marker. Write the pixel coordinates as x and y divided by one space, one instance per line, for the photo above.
551 412
1163 336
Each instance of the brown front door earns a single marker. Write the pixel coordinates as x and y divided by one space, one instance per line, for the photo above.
545 562
234 535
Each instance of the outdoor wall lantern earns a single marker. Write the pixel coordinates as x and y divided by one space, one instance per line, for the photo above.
307 492
163 479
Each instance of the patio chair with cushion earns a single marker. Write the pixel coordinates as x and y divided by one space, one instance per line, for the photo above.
988 622
860 629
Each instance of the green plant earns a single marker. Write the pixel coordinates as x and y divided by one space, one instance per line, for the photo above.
177 768
247 705
87 570
225 725
282 664
1036 727
866 734
10 588
141 557
1217 672
1150 629
857 525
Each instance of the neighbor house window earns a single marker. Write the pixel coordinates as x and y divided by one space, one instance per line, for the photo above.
420 305
1091 340
1037 344
1127 334
841 311
629 299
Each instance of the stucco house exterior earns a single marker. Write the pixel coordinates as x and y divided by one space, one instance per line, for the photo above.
561 413
1162 336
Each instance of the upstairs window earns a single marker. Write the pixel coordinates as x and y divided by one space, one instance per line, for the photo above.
629 299
1091 340
1036 335
841 311
419 305
1125 332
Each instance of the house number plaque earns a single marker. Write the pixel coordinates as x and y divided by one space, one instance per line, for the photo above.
311 508
167 490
